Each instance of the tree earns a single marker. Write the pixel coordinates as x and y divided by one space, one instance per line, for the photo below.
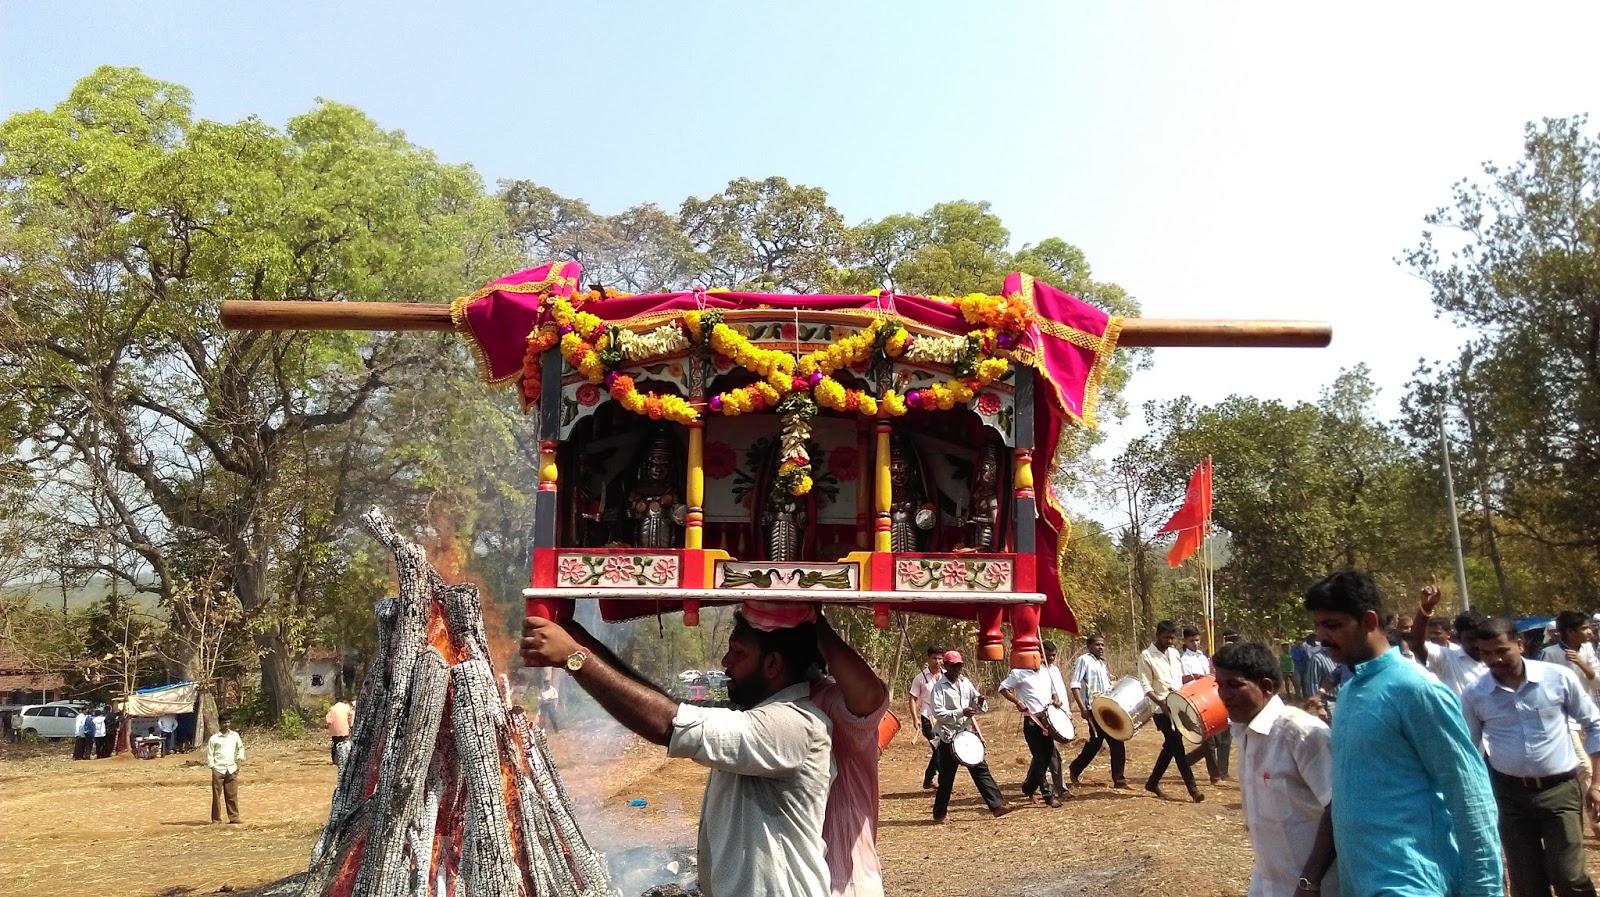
173 436
1520 263
766 235
1301 490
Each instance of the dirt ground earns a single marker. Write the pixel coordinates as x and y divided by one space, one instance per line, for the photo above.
135 828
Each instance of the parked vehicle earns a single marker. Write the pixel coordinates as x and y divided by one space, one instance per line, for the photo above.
689 676
58 720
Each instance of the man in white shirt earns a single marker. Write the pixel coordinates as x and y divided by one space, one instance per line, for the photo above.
1161 671
771 760
1518 716
1454 662
1031 691
1571 648
224 753
167 724
1285 775
1091 677
956 703
917 708
1197 665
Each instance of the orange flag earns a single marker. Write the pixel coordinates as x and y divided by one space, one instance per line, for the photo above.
1192 518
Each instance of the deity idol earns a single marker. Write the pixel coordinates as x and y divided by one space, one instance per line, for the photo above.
787 529
985 510
906 512
653 501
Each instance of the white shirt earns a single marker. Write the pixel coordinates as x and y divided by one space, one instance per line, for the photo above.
762 814
99 725
1194 663
1090 677
1453 667
1524 732
1159 673
949 702
224 752
167 723
1034 688
1557 654
921 688
1285 782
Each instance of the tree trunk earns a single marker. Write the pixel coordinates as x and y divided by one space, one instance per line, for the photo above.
277 676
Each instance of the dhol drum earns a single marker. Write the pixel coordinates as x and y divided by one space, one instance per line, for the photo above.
968 748
1197 709
1120 712
887 727
1058 722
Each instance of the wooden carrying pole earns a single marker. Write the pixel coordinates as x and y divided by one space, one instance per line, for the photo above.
1136 332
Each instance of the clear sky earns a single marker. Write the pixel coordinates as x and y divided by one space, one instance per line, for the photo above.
1217 160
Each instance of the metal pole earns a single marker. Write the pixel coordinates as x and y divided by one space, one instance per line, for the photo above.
1450 496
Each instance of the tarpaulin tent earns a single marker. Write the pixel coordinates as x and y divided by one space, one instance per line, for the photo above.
174 699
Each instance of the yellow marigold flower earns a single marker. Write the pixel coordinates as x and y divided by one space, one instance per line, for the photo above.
868 405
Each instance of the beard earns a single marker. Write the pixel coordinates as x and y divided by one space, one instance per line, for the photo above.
747 692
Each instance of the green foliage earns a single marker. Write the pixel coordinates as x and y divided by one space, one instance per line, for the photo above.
1301 490
292 724
1516 257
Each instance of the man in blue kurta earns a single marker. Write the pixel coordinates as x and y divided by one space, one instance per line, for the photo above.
1413 813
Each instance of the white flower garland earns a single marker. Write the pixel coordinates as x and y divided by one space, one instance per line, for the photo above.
935 349
664 340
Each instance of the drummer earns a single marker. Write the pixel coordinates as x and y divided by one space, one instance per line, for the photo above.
1031 691
1161 673
954 702
1196 665
1091 677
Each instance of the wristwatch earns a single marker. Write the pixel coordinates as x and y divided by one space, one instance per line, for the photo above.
1306 884
575 660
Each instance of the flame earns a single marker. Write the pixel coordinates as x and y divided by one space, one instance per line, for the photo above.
448 555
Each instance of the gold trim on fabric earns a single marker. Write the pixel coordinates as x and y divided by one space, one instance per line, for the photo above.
458 319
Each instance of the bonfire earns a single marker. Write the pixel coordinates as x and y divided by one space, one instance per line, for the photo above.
448 788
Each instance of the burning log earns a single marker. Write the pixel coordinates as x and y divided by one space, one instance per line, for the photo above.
448 788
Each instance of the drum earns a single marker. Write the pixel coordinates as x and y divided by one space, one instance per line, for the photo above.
1197 710
968 748
887 727
1058 722
1120 712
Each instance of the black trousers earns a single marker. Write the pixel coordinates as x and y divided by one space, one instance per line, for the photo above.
1542 833
102 746
83 747
933 753
981 777
1171 752
1091 748
1046 766
1214 751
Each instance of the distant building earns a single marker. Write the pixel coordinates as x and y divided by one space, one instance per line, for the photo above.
318 673
25 681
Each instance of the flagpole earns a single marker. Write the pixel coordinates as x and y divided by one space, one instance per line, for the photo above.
1210 577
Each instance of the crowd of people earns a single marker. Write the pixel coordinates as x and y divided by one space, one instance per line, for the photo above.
1386 753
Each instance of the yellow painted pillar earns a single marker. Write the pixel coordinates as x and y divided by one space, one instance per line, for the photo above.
547 465
695 492
884 491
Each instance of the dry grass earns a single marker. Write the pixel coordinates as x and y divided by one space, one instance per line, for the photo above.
134 828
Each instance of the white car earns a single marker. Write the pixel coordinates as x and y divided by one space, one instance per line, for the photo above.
689 676
59 720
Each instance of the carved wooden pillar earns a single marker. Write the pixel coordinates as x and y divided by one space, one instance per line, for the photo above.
545 504
1026 651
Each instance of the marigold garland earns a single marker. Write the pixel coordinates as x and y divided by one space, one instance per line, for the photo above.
597 349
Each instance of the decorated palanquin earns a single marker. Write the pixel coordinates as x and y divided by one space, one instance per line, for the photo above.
882 450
